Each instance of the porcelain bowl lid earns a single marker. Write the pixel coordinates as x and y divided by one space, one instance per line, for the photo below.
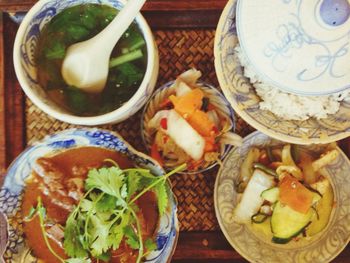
298 46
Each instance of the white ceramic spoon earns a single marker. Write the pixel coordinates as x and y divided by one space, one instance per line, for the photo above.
86 63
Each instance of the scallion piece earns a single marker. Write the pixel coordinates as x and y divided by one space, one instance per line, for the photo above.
125 58
140 43
265 169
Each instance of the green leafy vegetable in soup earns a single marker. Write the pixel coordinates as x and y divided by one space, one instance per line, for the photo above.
127 65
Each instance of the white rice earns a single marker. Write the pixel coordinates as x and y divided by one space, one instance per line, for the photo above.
289 106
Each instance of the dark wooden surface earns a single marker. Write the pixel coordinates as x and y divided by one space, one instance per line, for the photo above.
202 247
12 122
174 13
2 101
164 5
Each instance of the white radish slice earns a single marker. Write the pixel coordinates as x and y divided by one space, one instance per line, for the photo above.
182 89
190 77
251 199
185 136
154 123
230 138
213 116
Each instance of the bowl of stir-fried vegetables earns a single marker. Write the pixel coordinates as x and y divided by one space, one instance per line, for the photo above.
277 202
190 122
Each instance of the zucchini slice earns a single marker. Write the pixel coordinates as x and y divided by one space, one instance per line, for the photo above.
316 198
271 195
259 218
287 223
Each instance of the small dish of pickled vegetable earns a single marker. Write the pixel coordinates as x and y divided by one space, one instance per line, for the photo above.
190 122
278 202
46 32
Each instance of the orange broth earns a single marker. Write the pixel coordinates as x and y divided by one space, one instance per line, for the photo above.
60 185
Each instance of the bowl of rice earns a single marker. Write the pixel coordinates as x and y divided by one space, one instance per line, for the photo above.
285 116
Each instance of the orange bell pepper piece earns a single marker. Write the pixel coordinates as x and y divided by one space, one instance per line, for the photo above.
200 121
188 106
295 194
188 103
210 145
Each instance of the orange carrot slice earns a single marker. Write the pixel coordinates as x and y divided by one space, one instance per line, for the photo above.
188 106
295 194
210 145
200 121
188 103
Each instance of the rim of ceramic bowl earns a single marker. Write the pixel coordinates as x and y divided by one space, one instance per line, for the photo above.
223 226
251 121
201 84
132 149
117 115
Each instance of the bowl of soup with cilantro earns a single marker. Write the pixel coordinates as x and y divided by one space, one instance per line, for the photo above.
46 32
85 195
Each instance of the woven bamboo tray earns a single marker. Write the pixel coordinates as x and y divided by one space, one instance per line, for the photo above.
179 50
185 39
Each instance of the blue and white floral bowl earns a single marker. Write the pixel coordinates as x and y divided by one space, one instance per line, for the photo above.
242 96
14 184
254 246
24 52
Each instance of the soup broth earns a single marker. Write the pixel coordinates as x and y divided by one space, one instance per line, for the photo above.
76 24
59 181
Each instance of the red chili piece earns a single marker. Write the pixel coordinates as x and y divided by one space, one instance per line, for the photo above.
164 123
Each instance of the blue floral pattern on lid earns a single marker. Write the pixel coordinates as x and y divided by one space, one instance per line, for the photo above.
295 48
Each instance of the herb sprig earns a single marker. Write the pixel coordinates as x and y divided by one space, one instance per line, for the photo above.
108 213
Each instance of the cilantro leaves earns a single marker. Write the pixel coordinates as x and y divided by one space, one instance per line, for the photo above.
108 213
107 180
162 196
72 245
